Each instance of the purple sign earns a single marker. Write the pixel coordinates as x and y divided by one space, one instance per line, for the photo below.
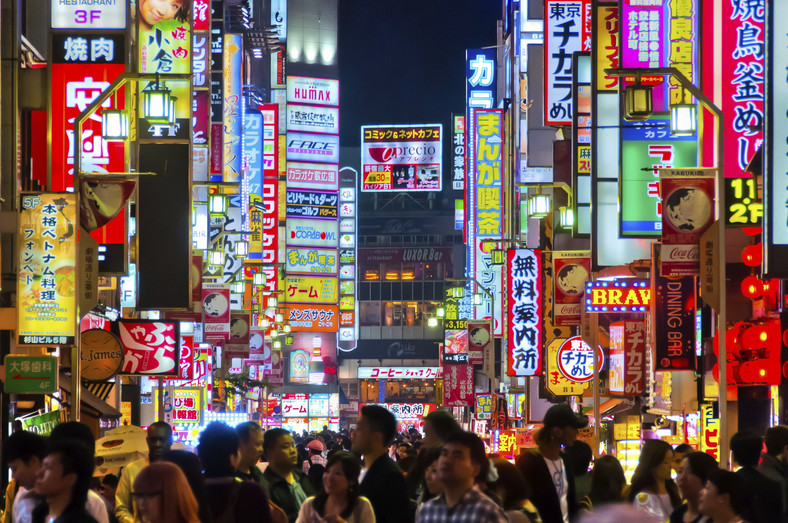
644 40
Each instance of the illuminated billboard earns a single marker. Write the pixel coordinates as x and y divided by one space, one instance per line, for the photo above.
401 157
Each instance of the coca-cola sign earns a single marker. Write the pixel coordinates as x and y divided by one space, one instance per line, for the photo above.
680 253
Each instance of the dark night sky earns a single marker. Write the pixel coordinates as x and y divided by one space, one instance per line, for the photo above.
403 61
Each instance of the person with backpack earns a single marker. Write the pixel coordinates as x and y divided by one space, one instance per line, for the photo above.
283 479
230 499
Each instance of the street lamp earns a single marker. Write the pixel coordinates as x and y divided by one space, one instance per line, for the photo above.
114 125
638 101
432 321
259 279
156 103
217 204
682 120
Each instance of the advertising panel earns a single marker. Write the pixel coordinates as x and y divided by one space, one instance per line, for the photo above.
644 43
310 289
299 366
458 154
607 36
401 157
555 381
310 204
312 176
709 430
202 15
622 295
216 311
481 344
271 144
524 275
47 278
399 373
186 405
312 318
576 360
455 345
232 108
311 261
308 147
687 211
88 14
457 385
295 405
312 233
315 91
674 312
313 119
627 358
484 406
572 270
150 348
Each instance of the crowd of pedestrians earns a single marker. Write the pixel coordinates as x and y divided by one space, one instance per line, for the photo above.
373 474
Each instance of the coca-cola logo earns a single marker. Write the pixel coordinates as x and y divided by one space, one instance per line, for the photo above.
689 253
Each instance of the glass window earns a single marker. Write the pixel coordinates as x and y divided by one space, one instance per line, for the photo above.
370 313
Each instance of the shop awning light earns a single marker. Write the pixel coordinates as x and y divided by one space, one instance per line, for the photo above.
272 301
259 279
567 217
478 299
216 258
274 333
156 103
683 120
639 101
217 204
498 257
238 287
279 317
286 328
538 205
114 125
171 112
440 312
277 344
288 340
241 249
432 322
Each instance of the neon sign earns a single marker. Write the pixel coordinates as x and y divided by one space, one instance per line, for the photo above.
618 296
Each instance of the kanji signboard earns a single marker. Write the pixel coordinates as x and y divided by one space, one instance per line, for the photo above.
30 374
576 360
312 318
150 347
627 358
187 405
398 373
555 381
525 312
309 289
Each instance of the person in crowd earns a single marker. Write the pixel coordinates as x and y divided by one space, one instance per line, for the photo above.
461 464
695 469
679 451
229 498
159 441
109 484
283 480
433 487
96 506
315 450
346 443
773 463
607 484
339 500
163 495
251 448
25 451
652 489
723 498
402 450
763 492
513 491
189 464
580 455
438 424
547 470
63 481
381 480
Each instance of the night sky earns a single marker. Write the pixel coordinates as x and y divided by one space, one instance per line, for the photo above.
403 61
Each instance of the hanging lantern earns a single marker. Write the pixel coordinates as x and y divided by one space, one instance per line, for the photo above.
114 125
156 103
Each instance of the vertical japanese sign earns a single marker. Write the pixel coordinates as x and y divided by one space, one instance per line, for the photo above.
571 270
627 358
401 157
608 45
674 311
253 166
279 56
687 211
457 384
709 431
484 406
566 32
524 279
233 102
458 154
46 286
684 47
644 42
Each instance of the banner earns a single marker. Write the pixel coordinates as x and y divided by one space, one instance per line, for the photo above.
312 318
524 276
401 157
674 313
150 347
311 261
457 385
571 270
310 289
480 342
627 358
216 312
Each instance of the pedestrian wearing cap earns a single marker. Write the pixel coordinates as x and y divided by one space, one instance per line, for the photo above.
547 469
315 448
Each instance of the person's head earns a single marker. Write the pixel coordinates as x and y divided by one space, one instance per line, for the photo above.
66 470
560 425
375 429
438 424
776 439
152 12
432 483
251 436
25 451
654 467
159 440
279 448
218 450
580 455
510 487
162 495
746 447
76 431
315 447
695 469
109 484
607 480
190 465
723 495
402 450
462 460
341 475
679 451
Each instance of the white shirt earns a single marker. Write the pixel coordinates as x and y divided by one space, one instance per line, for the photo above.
25 501
558 474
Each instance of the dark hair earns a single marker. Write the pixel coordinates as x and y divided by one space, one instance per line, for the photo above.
25 445
651 456
183 13
218 443
351 468
701 465
443 423
515 488
189 464
476 448
110 480
607 481
580 456
347 443
246 429
74 430
75 458
271 437
746 448
380 420
776 439
683 448
162 425
730 483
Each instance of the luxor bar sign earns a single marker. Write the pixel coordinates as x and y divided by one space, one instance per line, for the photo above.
630 295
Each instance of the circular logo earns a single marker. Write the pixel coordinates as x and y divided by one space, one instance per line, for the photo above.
688 209
576 360
572 279
101 354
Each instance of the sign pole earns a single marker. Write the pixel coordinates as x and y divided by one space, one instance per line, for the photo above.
161 399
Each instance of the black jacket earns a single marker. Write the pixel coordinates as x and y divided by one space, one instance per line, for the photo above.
278 490
384 486
764 496
534 469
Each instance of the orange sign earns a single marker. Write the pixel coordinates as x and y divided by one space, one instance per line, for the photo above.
618 296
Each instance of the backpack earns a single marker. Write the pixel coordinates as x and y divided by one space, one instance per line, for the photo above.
228 516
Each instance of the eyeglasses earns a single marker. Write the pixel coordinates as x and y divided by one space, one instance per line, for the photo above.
145 495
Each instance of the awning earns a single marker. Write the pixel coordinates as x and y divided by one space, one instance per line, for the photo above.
607 407
90 400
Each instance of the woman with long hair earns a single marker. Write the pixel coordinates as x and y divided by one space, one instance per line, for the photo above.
514 493
433 486
694 471
163 495
338 501
607 483
724 499
652 489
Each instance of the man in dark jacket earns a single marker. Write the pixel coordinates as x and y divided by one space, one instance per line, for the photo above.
764 493
287 486
381 480
547 469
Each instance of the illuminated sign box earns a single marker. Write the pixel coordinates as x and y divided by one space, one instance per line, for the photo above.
630 295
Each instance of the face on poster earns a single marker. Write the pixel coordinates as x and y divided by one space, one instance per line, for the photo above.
572 270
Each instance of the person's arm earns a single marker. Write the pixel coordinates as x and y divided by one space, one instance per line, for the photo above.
124 510
96 507
305 513
366 514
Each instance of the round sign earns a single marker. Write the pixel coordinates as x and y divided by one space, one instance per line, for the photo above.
576 360
102 354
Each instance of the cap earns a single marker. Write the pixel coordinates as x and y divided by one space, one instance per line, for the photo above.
316 444
562 415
